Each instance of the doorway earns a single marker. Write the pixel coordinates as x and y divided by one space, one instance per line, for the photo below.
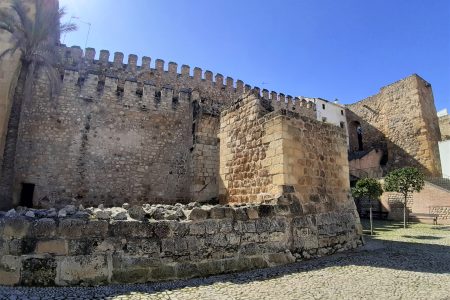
26 195
355 136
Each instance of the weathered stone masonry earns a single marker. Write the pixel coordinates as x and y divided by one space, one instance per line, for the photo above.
126 133
99 246
267 154
133 134
401 120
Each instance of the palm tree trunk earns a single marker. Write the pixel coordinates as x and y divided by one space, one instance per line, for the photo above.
12 134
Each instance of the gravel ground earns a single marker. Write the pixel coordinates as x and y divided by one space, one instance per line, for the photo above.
396 263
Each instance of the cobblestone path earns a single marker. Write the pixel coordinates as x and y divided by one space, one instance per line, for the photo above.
395 264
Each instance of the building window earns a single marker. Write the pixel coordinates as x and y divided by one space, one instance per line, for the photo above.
324 119
323 106
342 124
342 112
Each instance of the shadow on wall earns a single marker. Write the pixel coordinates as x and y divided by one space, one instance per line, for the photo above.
364 137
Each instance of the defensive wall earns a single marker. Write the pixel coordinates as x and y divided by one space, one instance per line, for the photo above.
76 246
401 120
285 197
126 132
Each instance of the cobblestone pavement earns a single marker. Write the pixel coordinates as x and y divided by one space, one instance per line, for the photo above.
395 264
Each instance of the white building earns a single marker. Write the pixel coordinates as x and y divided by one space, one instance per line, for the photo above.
442 113
444 150
330 112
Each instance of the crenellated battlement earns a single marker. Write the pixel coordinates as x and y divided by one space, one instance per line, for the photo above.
273 101
213 89
75 59
281 101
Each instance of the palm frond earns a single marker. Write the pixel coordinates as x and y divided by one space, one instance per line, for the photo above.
7 21
6 52
67 27
25 21
29 79
6 27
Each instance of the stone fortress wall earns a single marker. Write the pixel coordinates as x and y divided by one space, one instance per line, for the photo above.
127 133
271 154
162 242
401 120
290 168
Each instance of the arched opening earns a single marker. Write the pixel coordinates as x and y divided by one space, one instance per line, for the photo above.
355 136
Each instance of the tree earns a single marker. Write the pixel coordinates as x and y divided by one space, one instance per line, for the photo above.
405 181
36 38
370 188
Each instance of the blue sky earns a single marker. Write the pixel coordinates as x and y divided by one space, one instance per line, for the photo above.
344 49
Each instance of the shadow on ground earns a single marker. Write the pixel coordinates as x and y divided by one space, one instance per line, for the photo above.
377 252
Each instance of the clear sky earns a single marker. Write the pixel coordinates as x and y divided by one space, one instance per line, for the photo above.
345 49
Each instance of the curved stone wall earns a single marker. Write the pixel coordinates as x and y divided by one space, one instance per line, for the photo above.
134 244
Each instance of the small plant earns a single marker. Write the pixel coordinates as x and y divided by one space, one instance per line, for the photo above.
370 188
405 181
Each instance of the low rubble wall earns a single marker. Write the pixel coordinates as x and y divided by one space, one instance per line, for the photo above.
77 246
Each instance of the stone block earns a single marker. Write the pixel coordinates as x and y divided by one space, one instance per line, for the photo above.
56 247
212 226
22 246
168 246
266 210
137 212
4 247
187 270
125 261
134 275
249 226
198 214
241 214
71 228
263 225
233 239
163 272
195 245
217 212
131 228
14 227
197 229
256 262
89 269
163 229
10 270
95 228
250 249
208 268
252 213
304 241
10 263
142 246
9 277
38 271
276 259
216 240
43 228
229 212
83 246
226 225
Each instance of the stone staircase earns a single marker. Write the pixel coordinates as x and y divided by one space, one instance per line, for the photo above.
441 182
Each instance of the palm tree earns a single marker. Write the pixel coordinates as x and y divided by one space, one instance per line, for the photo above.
36 39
